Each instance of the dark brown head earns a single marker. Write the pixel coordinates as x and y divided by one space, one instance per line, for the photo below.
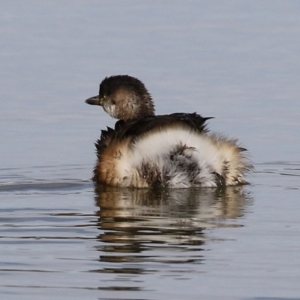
124 97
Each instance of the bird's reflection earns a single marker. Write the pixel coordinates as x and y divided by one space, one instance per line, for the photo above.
165 226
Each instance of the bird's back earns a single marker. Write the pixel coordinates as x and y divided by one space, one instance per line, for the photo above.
173 150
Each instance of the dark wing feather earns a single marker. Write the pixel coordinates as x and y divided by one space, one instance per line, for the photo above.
136 127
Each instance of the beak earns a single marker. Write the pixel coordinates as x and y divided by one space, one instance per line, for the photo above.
94 101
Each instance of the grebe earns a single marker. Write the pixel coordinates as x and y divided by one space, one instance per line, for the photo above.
145 150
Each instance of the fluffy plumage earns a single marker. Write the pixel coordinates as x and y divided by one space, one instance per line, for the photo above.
144 150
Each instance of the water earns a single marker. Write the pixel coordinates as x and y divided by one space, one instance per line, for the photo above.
62 238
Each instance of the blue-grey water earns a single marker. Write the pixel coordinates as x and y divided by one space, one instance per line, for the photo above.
60 238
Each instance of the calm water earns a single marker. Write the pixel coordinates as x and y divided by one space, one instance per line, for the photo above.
61 238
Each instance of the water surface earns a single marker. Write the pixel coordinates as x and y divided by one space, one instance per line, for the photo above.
63 238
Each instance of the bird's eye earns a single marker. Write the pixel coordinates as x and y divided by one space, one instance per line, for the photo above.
113 102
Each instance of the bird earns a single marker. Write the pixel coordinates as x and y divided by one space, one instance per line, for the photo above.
175 150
